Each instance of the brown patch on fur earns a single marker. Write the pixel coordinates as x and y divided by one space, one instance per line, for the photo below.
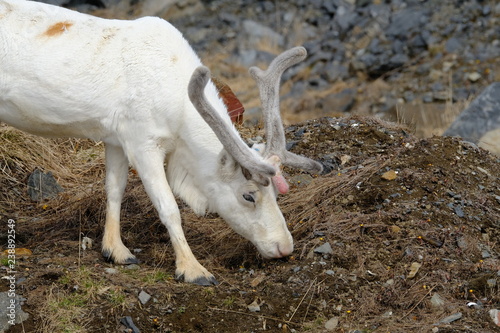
233 104
173 59
58 28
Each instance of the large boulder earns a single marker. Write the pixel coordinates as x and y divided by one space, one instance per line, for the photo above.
480 122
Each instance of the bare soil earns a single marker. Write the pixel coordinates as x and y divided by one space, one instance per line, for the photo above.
390 200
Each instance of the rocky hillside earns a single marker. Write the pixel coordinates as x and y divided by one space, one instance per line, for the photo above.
409 60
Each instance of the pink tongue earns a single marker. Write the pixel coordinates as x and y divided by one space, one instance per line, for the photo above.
280 183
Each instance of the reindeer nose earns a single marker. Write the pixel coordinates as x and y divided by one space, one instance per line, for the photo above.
284 250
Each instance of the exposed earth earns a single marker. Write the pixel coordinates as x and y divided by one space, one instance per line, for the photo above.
390 204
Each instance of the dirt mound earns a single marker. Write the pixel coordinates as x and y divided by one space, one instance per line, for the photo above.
412 225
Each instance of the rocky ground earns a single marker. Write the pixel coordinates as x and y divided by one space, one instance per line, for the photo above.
401 234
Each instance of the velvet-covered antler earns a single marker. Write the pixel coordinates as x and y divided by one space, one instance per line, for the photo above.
268 82
259 170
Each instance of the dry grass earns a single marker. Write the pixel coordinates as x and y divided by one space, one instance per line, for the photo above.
76 164
430 119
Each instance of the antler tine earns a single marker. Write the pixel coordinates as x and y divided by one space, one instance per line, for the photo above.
268 82
259 170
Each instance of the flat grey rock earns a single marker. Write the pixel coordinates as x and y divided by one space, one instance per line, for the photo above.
42 185
144 297
11 311
324 249
482 116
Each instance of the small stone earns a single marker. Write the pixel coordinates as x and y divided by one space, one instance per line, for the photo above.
387 314
132 267
437 301
389 175
447 65
486 172
255 305
389 283
329 272
451 318
395 229
495 316
256 32
414 269
344 159
256 281
474 76
332 323
462 243
428 97
144 297
334 70
408 96
441 96
485 254
459 211
110 270
453 45
18 251
324 249
451 193
129 324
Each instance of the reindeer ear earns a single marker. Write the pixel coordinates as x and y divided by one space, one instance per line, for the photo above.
227 166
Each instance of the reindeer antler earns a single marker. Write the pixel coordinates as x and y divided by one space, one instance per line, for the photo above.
259 170
268 82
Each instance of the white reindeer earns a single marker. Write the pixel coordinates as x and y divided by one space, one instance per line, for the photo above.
129 84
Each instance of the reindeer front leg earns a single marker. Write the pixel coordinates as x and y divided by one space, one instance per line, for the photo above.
116 180
149 164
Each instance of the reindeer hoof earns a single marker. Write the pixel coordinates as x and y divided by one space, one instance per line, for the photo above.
130 260
201 281
127 261
107 256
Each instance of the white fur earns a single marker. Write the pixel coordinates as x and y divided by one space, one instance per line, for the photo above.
67 74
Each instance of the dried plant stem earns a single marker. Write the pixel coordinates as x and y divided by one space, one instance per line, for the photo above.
254 315
302 300
420 301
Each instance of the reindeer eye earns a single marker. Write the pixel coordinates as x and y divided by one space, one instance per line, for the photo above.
248 197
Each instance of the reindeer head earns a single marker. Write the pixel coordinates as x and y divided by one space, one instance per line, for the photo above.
248 180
